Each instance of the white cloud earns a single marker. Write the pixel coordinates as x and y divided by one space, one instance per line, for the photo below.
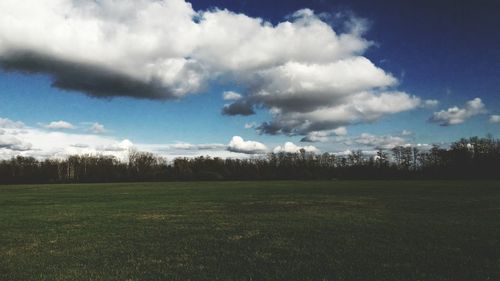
237 144
494 118
230 95
311 95
113 42
406 133
365 153
59 125
324 136
189 146
455 115
80 145
310 76
9 124
13 143
380 142
340 131
430 103
361 107
124 145
189 150
239 43
97 128
11 138
290 147
250 125
155 49
344 153
423 146
368 142
19 139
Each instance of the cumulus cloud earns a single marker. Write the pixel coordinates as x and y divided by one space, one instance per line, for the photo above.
310 76
189 146
9 124
361 107
104 48
97 128
340 131
380 142
430 103
154 49
494 118
11 136
307 94
189 150
238 108
344 153
324 136
250 125
124 145
59 125
13 143
370 143
80 145
406 133
230 95
423 146
455 115
290 147
18 139
239 145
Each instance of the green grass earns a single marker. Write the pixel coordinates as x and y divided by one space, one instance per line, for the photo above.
367 230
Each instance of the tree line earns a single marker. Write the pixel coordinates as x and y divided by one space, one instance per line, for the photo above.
472 158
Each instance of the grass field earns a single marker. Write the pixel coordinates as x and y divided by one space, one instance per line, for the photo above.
369 230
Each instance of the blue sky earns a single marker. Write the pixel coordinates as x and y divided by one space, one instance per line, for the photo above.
444 52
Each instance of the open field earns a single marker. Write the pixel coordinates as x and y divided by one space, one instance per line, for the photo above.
370 230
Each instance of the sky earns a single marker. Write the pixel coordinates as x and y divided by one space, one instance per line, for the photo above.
242 78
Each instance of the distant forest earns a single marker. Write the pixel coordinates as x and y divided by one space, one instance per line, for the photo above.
473 158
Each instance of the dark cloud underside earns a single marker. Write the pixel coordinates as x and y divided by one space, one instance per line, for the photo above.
92 80
238 108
